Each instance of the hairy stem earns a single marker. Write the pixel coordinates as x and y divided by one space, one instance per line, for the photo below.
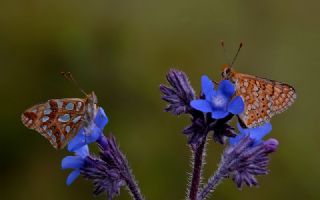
197 167
213 182
134 188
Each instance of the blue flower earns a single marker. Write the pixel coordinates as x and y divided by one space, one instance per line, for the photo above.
244 159
91 133
248 155
75 162
256 133
218 102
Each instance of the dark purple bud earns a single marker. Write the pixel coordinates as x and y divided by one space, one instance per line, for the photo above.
104 178
245 160
179 94
271 145
110 171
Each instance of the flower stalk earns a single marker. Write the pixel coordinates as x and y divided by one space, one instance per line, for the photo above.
133 187
220 174
198 156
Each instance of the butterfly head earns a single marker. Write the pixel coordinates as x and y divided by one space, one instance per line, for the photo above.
91 103
91 109
92 98
227 72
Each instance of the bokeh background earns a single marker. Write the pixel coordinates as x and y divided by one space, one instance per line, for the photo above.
122 50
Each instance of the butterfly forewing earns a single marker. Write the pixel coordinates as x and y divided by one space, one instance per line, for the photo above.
58 120
263 98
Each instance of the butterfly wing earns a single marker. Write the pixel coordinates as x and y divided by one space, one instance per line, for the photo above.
263 98
58 120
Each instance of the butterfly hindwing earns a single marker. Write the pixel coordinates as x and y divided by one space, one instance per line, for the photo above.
283 97
58 120
263 98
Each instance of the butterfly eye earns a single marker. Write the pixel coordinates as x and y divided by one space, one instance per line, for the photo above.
226 72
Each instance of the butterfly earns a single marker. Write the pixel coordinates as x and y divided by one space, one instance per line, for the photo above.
263 98
59 120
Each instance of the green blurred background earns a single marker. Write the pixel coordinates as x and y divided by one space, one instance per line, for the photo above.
122 50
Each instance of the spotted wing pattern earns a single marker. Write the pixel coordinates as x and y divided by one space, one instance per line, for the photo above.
58 120
263 98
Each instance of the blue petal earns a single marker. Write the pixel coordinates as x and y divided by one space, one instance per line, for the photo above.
226 88
236 106
207 87
85 137
72 162
219 114
82 151
77 142
236 139
72 176
201 105
93 135
257 133
101 118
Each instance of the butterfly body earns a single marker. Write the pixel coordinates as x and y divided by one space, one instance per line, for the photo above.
59 120
263 98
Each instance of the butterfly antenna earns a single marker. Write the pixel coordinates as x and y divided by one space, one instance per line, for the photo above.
235 57
69 77
225 51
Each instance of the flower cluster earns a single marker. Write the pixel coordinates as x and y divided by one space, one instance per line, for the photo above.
246 155
245 158
108 171
210 112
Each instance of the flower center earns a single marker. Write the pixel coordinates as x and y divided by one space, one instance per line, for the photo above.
219 101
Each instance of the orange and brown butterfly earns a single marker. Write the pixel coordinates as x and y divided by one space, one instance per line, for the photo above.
59 120
263 97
